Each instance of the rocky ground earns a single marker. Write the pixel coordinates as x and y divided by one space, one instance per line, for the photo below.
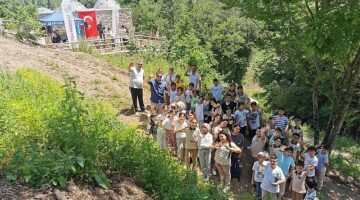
122 188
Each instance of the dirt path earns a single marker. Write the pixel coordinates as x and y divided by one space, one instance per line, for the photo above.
94 77
122 188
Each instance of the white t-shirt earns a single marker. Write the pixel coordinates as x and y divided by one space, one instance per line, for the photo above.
297 148
136 77
167 124
199 112
181 134
310 161
188 96
172 95
272 175
259 171
194 78
167 78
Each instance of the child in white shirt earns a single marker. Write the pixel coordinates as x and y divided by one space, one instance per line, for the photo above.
199 111
172 92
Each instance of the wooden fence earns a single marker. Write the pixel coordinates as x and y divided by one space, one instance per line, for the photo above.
135 42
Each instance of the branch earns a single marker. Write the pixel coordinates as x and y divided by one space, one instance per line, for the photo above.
306 13
308 7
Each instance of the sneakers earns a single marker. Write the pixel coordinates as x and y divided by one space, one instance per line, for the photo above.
214 172
226 189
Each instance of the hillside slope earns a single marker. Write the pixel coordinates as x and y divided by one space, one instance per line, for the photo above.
94 77
100 80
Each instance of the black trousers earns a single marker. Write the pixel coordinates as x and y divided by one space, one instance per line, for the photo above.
243 130
252 133
137 94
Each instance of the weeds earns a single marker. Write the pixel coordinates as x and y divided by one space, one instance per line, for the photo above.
52 134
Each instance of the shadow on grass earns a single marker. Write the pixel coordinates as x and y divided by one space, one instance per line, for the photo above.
126 112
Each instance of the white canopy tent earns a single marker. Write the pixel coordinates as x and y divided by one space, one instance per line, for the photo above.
75 5
43 12
106 4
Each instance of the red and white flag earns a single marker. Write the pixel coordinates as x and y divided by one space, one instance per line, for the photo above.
90 24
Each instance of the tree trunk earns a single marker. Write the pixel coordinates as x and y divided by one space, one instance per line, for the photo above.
315 102
343 98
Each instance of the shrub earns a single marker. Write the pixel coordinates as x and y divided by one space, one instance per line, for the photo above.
51 134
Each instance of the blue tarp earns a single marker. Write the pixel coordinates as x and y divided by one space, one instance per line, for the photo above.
57 19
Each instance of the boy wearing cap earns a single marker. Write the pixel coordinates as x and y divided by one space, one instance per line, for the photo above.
258 173
137 77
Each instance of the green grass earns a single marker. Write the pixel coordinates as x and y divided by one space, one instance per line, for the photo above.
346 157
49 133
246 196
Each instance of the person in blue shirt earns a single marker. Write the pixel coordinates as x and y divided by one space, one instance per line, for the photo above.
323 162
158 88
216 90
286 163
241 117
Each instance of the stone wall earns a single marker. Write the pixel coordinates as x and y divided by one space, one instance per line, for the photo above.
125 19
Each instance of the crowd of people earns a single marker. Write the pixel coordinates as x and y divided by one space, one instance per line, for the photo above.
211 126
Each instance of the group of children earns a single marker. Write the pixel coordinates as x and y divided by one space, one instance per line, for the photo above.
211 128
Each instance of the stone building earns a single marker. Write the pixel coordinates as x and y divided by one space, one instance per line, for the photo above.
104 12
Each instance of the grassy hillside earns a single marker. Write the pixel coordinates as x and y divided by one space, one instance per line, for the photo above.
50 134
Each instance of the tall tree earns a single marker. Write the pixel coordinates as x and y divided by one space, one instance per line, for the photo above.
323 32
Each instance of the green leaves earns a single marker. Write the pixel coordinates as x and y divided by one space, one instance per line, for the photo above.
23 18
82 147
80 160
102 180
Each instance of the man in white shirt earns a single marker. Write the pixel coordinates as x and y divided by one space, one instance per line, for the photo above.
137 77
194 77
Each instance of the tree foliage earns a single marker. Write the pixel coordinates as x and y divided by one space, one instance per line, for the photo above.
22 18
316 45
201 32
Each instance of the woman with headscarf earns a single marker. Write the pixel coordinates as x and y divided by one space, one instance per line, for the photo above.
205 141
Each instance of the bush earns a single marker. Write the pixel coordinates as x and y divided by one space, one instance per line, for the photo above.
51 134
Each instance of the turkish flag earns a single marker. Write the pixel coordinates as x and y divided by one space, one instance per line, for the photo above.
90 24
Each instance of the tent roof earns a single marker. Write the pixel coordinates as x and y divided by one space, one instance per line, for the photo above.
57 18
43 10
75 6
106 4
